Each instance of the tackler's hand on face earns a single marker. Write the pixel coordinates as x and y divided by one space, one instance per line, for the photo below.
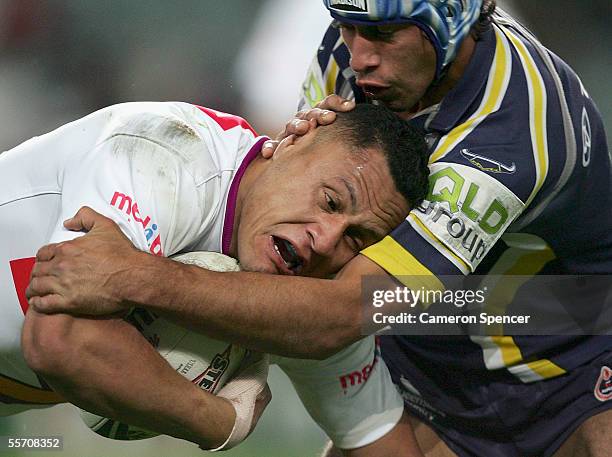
80 276
323 113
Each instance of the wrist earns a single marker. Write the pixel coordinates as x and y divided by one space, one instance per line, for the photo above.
135 283
215 435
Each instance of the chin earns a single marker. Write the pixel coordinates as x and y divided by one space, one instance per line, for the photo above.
255 268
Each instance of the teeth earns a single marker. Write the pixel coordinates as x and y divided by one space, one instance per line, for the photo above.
279 254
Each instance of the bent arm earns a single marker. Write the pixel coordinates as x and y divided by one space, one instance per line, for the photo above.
85 361
102 272
290 316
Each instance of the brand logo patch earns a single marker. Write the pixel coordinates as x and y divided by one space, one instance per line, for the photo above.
586 138
354 6
487 164
466 210
603 386
356 377
125 203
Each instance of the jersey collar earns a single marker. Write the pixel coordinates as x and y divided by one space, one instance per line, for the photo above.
232 196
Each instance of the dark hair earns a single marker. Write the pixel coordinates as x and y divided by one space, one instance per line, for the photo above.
375 126
484 20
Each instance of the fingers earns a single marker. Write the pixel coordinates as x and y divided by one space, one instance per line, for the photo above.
48 304
321 116
296 126
46 253
309 120
41 268
336 103
84 220
306 120
287 141
41 285
268 148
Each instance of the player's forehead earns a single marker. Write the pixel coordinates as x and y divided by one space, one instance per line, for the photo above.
366 187
352 166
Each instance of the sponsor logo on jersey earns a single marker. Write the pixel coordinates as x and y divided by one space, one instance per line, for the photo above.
210 378
467 210
487 164
357 377
355 6
456 227
603 386
586 138
126 204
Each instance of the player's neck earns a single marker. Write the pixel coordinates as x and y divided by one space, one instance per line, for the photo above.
251 173
438 91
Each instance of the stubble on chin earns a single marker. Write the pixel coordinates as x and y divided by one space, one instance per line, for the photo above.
254 268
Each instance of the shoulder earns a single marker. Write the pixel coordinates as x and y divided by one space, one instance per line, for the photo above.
201 141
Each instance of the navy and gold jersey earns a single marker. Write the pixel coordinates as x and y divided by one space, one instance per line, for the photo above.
520 184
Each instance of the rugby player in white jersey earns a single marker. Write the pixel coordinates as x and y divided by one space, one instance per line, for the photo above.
177 177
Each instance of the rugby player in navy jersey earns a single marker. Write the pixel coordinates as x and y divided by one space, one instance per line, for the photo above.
518 157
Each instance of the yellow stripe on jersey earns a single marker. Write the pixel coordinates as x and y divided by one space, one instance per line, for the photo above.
537 112
499 351
27 394
495 91
398 262
510 352
524 265
545 368
332 75
502 352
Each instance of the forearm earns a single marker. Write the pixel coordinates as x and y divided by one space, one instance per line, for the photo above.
291 316
107 367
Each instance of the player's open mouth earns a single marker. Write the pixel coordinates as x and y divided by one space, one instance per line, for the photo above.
372 89
287 252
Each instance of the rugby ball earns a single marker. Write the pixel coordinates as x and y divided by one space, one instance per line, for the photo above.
204 361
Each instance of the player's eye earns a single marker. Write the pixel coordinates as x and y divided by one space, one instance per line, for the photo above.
385 30
332 204
382 32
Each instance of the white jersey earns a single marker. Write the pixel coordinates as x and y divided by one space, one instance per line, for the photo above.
168 175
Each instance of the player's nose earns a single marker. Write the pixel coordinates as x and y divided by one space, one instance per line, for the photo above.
364 54
327 234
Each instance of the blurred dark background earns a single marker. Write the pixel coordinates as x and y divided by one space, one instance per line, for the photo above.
60 59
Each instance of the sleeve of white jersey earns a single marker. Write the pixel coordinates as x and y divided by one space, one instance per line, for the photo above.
350 395
139 173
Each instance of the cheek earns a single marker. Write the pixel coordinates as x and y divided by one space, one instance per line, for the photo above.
250 251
